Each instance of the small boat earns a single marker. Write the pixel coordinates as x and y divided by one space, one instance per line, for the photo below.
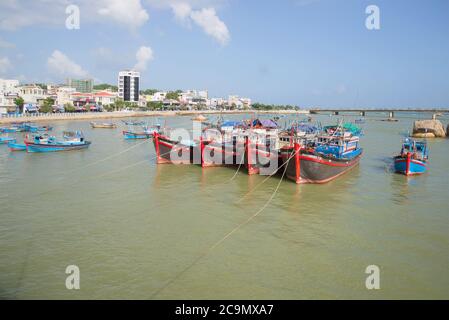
11 129
413 157
17 146
45 143
5 140
326 159
137 135
199 118
103 125
359 121
133 123
145 134
29 127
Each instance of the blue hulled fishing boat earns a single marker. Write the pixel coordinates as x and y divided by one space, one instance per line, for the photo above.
45 143
413 157
13 146
5 140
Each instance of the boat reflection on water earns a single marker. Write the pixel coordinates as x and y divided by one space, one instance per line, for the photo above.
405 189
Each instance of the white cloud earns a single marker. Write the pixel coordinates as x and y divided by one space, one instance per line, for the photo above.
206 18
211 24
5 65
16 14
6 45
58 63
143 56
129 12
181 10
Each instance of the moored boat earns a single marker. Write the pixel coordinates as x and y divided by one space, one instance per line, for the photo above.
5 140
321 161
413 157
103 125
13 146
133 123
45 143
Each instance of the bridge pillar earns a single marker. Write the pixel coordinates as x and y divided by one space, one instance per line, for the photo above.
362 113
391 116
434 116
336 113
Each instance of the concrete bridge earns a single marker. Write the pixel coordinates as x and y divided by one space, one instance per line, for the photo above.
363 112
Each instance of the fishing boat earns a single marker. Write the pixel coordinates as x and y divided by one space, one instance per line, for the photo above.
133 123
137 135
5 140
322 160
413 157
199 118
28 127
359 121
176 152
13 146
45 143
103 125
146 133
12 129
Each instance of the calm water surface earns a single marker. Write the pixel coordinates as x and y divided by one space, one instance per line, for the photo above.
138 230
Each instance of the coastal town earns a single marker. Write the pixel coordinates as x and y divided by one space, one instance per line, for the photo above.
83 95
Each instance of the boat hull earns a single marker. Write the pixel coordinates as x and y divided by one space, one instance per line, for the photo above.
7 140
309 168
35 147
17 146
409 167
136 135
169 151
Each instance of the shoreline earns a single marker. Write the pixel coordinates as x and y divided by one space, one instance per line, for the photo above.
129 114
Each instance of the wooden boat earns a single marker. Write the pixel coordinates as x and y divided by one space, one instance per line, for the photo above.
133 123
11 129
199 118
5 140
321 161
146 133
29 127
45 143
103 125
17 146
413 158
176 152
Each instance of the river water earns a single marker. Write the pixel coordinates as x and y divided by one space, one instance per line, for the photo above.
145 231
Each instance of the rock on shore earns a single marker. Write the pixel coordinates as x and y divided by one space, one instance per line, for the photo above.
447 130
428 129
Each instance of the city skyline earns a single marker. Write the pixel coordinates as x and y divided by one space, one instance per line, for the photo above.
306 52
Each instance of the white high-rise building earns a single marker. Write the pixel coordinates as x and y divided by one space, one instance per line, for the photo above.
128 85
8 86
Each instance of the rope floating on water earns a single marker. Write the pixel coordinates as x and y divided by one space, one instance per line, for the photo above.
216 244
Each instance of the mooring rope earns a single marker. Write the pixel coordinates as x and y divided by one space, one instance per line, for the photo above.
107 158
269 176
216 244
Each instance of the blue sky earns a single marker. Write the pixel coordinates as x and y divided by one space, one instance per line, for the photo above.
302 52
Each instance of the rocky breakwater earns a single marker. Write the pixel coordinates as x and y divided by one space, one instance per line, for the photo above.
428 129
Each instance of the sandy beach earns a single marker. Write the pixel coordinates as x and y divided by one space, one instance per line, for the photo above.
127 114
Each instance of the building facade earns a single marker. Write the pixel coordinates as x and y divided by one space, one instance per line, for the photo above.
8 86
81 85
128 85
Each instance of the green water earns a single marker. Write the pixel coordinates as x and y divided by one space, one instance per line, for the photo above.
142 231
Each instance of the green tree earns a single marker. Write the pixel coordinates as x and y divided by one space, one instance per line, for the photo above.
154 105
47 106
149 91
19 103
104 86
173 95
68 107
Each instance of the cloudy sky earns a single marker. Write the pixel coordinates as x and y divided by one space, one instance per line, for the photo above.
303 52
